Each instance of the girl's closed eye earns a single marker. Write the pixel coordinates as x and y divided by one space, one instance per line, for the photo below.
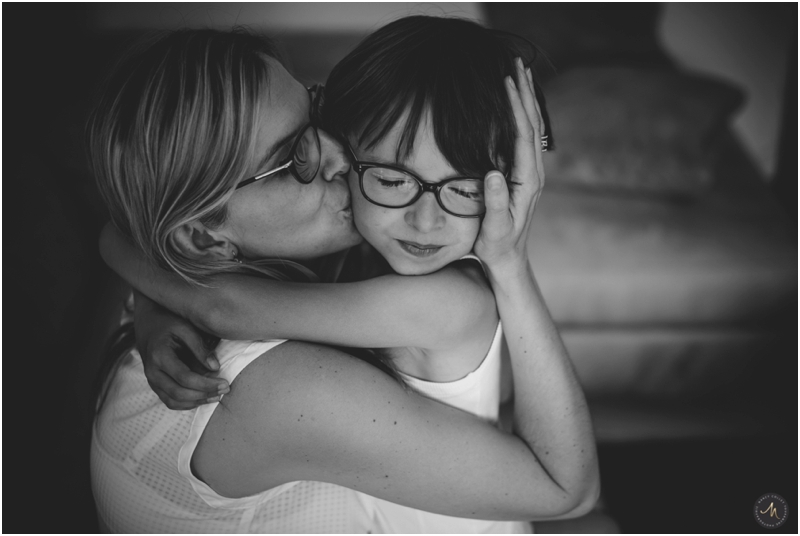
388 178
469 193
401 183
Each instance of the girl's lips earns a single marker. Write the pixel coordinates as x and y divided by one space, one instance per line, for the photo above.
419 250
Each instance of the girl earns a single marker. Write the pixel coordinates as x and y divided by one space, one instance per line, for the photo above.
220 446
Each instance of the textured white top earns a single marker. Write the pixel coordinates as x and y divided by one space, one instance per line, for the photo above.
480 392
142 481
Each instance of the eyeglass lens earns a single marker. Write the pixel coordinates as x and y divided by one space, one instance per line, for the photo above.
306 155
393 188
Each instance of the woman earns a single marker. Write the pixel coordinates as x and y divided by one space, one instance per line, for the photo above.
299 411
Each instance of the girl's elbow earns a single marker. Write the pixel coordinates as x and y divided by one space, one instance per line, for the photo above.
212 318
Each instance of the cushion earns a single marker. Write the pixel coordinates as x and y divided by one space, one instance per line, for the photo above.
726 258
636 130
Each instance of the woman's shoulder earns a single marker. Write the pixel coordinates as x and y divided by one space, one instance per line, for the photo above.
285 375
294 398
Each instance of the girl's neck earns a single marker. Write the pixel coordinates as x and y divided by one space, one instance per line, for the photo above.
362 263
328 267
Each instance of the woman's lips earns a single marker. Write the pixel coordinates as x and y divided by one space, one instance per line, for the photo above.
419 250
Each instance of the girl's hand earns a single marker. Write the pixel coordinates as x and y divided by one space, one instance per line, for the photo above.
176 359
504 233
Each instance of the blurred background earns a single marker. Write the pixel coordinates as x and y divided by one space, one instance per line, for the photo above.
665 243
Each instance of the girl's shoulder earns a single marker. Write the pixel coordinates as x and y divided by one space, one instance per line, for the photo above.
467 273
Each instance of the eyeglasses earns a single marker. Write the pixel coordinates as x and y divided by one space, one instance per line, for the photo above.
304 156
393 187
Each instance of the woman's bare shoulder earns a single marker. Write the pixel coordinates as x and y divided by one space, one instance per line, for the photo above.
292 396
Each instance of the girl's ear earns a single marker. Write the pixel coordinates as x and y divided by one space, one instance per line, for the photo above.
195 240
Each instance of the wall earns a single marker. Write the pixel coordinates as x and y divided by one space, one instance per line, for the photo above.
274 16
743 43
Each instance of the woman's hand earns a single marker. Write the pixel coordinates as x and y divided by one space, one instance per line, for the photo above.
176 357
504 232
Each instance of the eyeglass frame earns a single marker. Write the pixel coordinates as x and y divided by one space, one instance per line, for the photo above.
316 93
361 166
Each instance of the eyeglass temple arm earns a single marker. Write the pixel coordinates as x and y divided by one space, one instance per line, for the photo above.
272 171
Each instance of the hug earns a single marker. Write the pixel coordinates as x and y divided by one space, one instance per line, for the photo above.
384 360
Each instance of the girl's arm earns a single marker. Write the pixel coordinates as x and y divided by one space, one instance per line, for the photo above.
160 338
429 311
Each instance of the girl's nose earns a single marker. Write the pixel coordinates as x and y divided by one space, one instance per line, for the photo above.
425 215
333 160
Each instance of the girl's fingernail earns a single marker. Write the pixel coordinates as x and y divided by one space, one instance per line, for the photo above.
493 181
214 399
223 389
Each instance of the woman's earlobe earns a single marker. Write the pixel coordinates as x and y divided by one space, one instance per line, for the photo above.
195 240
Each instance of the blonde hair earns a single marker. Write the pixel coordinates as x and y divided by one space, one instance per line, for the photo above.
173 132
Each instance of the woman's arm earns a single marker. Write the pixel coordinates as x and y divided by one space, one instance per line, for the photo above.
555 410
362 430
306 412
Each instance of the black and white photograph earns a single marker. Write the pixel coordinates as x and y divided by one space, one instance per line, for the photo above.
413 268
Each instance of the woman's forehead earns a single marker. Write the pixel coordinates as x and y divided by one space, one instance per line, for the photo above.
283 112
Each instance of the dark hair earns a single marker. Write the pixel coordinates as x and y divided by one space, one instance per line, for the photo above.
455 68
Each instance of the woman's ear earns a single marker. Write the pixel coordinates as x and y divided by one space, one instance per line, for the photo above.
195 240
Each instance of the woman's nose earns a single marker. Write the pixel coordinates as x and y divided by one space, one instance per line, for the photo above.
425 215
333 160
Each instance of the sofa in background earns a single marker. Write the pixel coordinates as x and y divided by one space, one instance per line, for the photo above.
666 260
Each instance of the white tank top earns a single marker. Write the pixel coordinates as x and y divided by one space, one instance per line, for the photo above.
480 392
142 481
